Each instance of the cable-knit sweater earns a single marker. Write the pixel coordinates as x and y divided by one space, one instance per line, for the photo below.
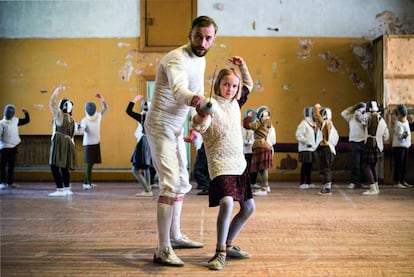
222 135
223 140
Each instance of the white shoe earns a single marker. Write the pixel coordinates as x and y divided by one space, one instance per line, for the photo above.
86 187
58 193
185 242
365 186
144 194
68 191
374 190
257 186
167 257
3 186
304 186
370 192
312 186
351 186
260 192
407 184
400 186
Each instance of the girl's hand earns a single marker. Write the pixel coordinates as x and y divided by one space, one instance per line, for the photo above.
137 98
100 96
58 89
237 60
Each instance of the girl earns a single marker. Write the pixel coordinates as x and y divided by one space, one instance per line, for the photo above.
9 141
376 133
262 158
305 135
62 149
326 138
91 128
227 167
401 142
141 158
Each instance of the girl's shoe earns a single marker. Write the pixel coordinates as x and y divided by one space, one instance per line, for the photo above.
144 194
260 192
58 193
400 186
407 184
325 191
86 186
236 252
217 262
68 191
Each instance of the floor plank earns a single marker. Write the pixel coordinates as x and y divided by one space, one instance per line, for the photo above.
109 232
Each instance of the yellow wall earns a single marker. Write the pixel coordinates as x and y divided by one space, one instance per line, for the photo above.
285 82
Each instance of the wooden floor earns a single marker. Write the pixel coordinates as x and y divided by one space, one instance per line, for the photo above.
109 232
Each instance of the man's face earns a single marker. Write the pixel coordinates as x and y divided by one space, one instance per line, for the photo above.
201 39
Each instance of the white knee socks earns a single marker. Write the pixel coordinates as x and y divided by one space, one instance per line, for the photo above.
164 219
176 222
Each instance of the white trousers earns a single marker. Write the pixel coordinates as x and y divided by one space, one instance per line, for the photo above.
169 158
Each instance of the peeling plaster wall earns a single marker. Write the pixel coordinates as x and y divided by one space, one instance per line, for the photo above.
287 78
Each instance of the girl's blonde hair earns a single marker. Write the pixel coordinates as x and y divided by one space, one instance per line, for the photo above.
227 72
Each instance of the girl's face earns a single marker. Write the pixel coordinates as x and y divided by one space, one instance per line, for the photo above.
228 86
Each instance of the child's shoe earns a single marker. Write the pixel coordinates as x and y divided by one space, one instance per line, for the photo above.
58 193
218 261
400 186
144 194
325 191
260 192
407 184
237 253
86 186
68 191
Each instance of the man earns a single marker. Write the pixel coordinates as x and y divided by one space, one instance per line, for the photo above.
179 85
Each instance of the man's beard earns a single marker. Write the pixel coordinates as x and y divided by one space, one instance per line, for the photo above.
197 53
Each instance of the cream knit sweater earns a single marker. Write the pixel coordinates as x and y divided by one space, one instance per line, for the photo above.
222 134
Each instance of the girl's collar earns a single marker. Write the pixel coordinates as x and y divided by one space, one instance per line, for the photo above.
92 117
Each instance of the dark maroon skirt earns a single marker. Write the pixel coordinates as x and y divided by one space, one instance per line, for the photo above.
236 186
